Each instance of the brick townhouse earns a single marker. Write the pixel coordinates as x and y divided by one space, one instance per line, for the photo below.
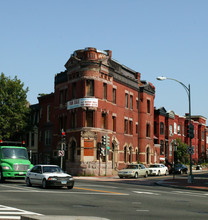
169 126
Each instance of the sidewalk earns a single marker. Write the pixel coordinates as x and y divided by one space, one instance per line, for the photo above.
198 183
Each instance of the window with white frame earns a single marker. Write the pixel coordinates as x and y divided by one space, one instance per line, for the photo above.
170 130
170 149
179 129
175 128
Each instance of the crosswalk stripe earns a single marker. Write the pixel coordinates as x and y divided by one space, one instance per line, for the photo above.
7 212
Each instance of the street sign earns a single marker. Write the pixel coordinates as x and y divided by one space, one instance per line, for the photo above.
190 150
61 153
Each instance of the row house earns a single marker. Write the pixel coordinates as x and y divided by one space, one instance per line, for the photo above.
169 126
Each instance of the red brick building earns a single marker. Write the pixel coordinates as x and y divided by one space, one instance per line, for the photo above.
98 96
168 127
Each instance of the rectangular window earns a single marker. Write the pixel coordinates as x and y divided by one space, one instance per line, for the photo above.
125 126
73 120
148 130
74 87
104 121
148 106
48 113
175 128
170 149
126 100
47 137
136 128
137 104
89 119
179 129
114 96
104 91
161 128
202 135
89 88
114 123
161 147
130 127
41 112
131 102
61 97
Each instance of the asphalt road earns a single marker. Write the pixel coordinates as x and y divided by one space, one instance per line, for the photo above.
111 199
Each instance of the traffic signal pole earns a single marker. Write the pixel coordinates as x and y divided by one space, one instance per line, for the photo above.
188 91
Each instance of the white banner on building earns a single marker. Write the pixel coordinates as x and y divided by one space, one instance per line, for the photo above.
84 102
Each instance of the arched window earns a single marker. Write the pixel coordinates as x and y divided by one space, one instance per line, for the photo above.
147 155
125 154
130 154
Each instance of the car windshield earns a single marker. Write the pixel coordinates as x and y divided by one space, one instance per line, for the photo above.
131 167
154 166
14 153
52 169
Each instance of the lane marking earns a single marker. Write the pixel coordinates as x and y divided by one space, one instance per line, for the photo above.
138 210
148 193
103 191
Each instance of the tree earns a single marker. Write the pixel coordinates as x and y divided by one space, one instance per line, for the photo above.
181 154
14 108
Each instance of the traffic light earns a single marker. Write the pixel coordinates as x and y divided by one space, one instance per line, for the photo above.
104 140
63 135
190 131
108 142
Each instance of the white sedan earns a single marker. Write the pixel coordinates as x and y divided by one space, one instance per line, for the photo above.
48 175
133 170
157 169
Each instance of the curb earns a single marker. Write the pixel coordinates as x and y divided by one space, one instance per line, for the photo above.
179 187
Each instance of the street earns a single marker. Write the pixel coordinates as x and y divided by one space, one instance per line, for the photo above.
111 199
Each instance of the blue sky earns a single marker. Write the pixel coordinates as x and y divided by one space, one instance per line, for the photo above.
154 37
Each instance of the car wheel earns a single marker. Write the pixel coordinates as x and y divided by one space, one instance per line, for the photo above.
1 177
158 173
121 177
146 175
136 175
69 187
166 172
44 185
28 183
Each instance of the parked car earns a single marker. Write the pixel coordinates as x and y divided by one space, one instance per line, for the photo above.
179 169
48 175
133 170
157 169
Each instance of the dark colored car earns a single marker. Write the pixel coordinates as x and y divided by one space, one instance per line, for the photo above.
179 169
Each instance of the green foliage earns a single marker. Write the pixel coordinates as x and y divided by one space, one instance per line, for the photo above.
14 109
181 155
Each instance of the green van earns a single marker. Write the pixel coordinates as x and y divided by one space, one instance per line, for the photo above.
14 160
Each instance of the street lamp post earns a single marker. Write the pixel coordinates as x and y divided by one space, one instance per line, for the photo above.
188 91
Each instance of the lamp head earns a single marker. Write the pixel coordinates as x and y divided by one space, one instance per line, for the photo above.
161 78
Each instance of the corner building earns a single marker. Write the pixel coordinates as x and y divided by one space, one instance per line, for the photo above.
98 96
